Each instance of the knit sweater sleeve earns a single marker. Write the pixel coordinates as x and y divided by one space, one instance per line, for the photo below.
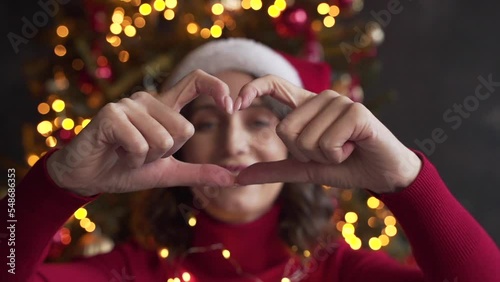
448 244
36 210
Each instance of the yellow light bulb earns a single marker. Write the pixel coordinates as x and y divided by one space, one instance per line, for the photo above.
192 221
216 31
186 276
145 9
323 8
169 14
351 217
374 243
68 124
329 21
373 202
164 253
80 213
217 9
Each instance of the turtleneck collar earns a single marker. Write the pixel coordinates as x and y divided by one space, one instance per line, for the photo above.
254 246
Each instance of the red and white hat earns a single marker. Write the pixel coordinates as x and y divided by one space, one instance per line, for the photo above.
247 55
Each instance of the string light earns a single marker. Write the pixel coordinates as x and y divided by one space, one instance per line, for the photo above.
273 11
171 4
217 9
329 21
145 9
280 5
68 124
139 22
374 243
169 14
62 31
164 253
373 202
205 33
43 108
323 8
390 220
192 221
226 254
85 122
159 5
123 56
77 129
60 50
130 31
127 21
216 31
192 28
245 4
256 4
334 11
44 127
32 159
51 141
351 217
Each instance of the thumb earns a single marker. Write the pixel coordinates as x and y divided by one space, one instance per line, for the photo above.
188 174
289 170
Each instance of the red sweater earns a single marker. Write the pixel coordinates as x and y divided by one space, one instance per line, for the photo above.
447 242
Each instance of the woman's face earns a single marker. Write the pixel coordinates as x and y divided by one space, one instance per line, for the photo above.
234 142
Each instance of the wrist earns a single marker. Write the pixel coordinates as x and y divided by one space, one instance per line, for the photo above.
57 170
409 171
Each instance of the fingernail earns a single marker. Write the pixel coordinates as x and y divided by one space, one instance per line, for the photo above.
237 104
228 104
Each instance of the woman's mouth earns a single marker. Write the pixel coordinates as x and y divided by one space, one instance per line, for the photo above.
236 169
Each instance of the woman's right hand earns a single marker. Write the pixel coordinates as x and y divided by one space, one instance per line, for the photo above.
128 145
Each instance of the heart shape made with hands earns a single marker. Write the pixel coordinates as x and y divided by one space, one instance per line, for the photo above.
275 87
305 127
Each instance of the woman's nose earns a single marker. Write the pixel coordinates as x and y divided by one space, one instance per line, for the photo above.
237 139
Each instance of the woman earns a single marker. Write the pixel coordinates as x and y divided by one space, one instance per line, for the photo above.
238 146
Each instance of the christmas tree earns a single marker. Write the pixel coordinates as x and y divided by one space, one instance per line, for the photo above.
103 50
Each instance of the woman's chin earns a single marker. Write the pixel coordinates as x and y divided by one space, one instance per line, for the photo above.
241 204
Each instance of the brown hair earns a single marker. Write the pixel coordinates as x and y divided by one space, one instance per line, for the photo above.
160 216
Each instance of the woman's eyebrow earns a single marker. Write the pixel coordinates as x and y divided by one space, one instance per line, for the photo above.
213 107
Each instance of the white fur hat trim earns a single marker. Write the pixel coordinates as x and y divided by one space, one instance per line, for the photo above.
241 54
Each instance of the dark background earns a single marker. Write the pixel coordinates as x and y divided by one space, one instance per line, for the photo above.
432 56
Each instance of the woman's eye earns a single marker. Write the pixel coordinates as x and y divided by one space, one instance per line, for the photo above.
204 126
261 123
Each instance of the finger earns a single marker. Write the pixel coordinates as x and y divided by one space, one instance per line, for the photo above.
177 125
288 170
159 140
290 128
293 171
353 126
194 84
275 87
308 142
125 135
188 174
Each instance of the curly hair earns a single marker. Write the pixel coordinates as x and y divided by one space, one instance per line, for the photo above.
160 216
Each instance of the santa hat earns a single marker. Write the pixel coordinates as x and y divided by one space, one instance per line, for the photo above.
243 54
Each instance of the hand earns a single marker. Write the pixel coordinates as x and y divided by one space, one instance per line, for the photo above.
333 140
128 145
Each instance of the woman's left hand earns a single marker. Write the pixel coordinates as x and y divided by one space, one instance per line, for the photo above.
333 140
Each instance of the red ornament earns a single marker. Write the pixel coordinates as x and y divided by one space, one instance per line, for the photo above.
292 22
